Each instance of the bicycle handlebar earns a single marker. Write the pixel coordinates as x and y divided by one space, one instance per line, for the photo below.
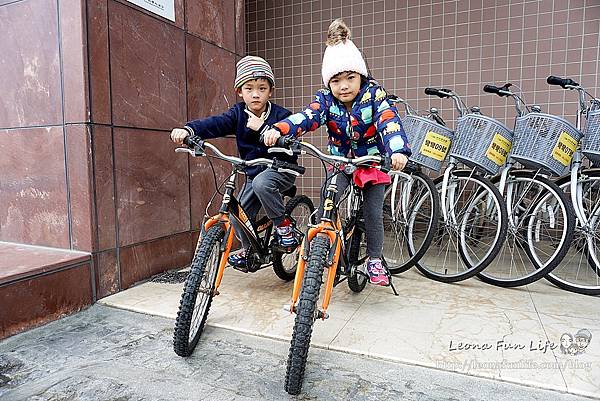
279 165
441 93
384 162
563 82
500 91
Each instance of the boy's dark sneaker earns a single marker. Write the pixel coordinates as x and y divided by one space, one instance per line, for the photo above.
286 235
238 260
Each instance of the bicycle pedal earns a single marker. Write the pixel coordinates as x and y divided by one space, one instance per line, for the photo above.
321 315
242 269
288 308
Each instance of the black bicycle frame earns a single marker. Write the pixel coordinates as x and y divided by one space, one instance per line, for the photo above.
330 212
231 206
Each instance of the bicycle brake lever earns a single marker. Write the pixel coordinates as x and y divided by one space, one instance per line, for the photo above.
289 152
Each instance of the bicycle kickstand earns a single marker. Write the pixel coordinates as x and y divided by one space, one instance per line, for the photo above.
389 275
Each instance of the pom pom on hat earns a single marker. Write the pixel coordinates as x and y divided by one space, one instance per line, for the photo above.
341 53
253 67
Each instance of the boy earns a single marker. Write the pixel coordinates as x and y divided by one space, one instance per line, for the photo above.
254 83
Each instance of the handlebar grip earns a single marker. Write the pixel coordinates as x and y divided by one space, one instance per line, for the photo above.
491 89
552 80
386 164
192 141
437 92
284 141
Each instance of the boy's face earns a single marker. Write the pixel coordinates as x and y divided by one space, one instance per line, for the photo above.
345 86
582 342
256 93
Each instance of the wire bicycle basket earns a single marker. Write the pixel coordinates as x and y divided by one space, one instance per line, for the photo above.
591 139
430 141
543 141
482 142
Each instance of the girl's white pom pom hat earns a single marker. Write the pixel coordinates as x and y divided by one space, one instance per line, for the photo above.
341 53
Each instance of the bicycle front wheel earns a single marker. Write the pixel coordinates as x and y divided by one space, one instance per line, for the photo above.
198 292
410 218
541 224
471 231
580 270
305 314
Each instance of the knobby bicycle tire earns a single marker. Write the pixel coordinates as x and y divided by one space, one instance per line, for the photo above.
356 281
184 341
305 315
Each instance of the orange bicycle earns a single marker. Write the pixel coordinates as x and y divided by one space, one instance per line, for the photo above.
216 239
336 244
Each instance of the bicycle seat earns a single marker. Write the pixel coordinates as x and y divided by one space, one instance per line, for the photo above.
290 192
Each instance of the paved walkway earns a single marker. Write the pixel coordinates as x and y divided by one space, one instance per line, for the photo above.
109 354
510 335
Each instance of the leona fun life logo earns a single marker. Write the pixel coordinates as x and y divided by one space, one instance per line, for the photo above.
575 344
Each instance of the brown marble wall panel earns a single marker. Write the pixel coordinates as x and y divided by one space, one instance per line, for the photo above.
202 185
210 77
30 84
179 12
104 194
41 299
99 71
142 261
213 20
106 266
152 186
81 188
240 27
147 70
74 60
211 72
33 187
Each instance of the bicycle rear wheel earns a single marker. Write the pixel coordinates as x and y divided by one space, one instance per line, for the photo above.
471 235
357 256
410 222
198 292
541 224
306 314
580 270
299 209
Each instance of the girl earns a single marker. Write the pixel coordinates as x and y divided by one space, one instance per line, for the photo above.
360 122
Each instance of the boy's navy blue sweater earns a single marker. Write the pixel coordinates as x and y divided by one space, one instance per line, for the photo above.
233 122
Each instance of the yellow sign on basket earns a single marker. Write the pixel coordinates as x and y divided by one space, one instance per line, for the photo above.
564 149
435 146
499 149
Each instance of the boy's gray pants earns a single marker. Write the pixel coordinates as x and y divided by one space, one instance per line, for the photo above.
263 190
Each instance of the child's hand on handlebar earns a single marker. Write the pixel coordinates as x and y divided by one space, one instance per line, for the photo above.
178 135
399 161
271 136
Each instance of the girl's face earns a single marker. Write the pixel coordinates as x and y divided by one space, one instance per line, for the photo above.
566 341
345 87
256 93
